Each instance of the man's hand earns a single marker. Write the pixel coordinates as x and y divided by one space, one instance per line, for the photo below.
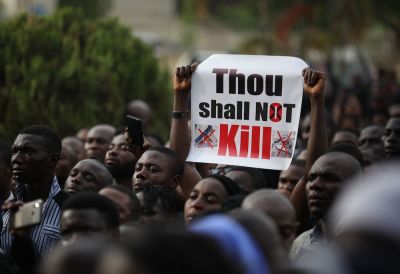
183 78
314 82
137 150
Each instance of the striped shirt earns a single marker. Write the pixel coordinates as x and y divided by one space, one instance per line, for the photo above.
46 234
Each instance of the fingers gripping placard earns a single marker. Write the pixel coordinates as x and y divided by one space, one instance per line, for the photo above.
246 110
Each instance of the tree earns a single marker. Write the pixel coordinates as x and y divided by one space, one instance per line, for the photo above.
69 72
90 8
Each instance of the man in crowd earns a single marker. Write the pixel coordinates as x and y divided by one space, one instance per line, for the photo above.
158 166
68 160
89 215
127 203
391 138
120 160
35 154
88 175
98 140
325 180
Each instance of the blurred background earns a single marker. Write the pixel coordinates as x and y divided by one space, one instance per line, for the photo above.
113 51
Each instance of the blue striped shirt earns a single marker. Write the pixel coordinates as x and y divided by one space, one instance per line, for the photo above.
46 234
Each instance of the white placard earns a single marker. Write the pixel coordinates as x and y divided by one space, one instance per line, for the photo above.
246 110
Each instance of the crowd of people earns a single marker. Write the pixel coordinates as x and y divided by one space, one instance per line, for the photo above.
111 207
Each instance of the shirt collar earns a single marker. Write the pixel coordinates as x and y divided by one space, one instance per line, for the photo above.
54 190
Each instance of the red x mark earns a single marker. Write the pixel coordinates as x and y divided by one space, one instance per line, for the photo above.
206 137
284 147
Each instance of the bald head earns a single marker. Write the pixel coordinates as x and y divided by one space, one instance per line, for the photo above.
98 140
88 175
141 110
326 179
279 208
76 144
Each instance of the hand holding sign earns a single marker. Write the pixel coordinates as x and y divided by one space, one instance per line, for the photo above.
183 77
314 82
246 109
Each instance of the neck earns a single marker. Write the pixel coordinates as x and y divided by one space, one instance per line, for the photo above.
125 181
40 190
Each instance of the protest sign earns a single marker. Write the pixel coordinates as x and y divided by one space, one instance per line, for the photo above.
246 110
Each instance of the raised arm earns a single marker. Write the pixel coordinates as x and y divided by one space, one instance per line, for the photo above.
180 135
314 85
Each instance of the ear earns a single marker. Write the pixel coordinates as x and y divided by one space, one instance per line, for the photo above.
55 157
175 181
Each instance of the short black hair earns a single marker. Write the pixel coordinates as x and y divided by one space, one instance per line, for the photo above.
53 141
164 196
178 162
103 205
5 153
255 174
134 201
230 186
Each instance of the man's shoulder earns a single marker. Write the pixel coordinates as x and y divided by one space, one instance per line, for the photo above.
61 197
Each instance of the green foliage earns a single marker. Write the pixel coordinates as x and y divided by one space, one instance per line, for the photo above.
69 72
90 8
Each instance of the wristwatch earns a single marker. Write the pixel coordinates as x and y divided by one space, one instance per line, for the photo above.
180 114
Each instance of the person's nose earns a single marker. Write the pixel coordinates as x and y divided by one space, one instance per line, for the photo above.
198 204
16 158
316 184
141 174
76 179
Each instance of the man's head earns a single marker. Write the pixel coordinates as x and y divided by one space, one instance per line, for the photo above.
77 145
391 138
5 169
306 124
326 178
371 145
127 203
98 140
290 177
158 166
248 179
279 208
68 160
87 215
88 175
345 136
119 160
158 204
35 154
141 110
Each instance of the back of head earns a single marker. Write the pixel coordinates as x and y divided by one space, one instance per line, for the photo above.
257 177
259 225
53 142
103 205
365 220
230 186
270 202
134 203
160 252
349 149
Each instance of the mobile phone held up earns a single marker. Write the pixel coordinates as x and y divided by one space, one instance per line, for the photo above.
29 214
135 130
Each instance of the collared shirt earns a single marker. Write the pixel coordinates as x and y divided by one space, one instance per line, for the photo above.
46 234
307 240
